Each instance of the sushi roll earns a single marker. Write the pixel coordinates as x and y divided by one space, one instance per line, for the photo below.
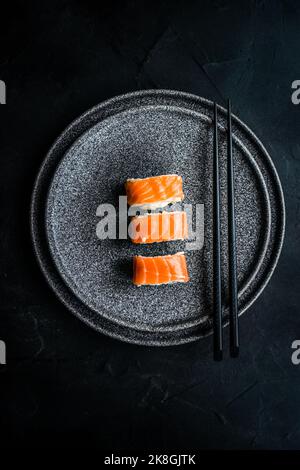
159 227
158 270
154 192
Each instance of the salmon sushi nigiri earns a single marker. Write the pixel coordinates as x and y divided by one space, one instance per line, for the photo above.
159 269
159 227
154 192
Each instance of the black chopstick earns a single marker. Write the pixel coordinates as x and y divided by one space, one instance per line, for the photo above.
217 295
233 297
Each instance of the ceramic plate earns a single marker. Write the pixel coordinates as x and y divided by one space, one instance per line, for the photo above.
134 136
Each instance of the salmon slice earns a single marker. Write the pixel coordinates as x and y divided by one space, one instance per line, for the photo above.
160 227
155 191
159 269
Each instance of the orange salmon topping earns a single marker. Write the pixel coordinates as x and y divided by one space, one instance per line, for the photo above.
160 227
156 191
160 269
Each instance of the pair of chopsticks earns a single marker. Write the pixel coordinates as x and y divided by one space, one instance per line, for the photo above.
217 281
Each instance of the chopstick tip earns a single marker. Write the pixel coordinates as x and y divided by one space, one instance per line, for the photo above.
218 355
234 351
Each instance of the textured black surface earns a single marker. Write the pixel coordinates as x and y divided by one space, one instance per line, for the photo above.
63 379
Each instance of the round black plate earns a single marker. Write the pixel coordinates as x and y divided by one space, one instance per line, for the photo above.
138 135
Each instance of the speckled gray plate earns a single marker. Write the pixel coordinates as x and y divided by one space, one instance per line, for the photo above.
138 135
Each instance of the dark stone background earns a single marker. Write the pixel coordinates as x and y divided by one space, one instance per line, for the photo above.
64 383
